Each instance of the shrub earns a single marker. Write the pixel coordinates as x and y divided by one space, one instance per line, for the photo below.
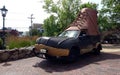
17 42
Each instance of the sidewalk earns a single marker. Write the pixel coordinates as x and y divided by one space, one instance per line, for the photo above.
111 47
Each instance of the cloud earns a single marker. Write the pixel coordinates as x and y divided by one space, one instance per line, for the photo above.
93 1
85 1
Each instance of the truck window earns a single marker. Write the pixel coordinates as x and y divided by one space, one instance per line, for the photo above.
70 33
83 33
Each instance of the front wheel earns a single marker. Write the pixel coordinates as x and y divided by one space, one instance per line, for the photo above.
74 54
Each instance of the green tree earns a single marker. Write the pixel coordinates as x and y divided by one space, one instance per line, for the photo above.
111 9
103 22
50 26
63 12
109 17
89 5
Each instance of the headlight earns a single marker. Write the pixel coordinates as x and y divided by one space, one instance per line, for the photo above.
43 50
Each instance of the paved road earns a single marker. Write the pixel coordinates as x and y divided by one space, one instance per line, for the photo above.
108 63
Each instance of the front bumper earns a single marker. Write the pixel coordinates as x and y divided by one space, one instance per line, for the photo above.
47 50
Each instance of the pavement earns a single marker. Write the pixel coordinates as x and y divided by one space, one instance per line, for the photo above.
108 63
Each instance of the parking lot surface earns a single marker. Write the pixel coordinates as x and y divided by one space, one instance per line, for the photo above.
108 63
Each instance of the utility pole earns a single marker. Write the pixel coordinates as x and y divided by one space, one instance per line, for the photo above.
31 18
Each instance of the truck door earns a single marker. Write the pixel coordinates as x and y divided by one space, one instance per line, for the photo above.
85 42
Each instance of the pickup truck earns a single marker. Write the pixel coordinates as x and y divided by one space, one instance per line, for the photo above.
82 36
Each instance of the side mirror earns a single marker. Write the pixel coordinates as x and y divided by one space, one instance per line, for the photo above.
82 36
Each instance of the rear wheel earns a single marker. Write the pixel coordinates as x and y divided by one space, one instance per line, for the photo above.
96 51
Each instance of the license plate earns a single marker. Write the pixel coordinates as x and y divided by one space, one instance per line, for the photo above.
43 50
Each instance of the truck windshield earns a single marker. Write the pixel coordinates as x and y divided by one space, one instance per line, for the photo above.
70 33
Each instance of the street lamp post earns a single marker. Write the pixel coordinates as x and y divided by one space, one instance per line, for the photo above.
4 12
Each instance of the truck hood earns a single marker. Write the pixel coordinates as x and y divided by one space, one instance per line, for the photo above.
57 42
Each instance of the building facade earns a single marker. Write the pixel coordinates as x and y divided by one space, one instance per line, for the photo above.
38 27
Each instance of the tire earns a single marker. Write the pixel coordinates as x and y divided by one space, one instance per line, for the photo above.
74 54
97 50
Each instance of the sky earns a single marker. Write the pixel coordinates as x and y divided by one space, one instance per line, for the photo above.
20 10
